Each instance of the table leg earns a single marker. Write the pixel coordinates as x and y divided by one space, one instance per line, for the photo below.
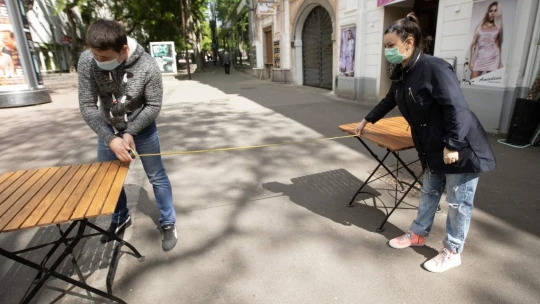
49 271
73 260
381 162
351 203
116 238
381 228
112 267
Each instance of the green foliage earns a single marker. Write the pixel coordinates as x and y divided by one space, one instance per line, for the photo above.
207 36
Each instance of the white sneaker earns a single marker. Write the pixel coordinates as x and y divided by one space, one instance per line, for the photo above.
443 261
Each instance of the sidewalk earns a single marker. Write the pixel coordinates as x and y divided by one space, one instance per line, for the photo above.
270 225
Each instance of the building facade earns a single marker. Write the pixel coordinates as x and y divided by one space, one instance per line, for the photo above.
297 44
496 60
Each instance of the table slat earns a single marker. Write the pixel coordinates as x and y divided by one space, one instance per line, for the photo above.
52 212
88 196
7 208
49 199
103 191
55 173
118 184
15 185
4 177
65 214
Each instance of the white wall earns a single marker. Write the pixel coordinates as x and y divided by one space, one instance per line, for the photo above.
373 40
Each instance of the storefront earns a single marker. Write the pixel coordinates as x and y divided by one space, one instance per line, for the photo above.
495 57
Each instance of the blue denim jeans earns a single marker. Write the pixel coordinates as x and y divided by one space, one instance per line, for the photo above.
147 141
460 196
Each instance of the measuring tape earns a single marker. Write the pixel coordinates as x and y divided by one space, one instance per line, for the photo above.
134 154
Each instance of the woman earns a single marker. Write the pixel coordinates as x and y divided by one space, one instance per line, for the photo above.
451 143
349 55
487 41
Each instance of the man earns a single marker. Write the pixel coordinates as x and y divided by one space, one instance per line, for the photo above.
130 89
227 62
10 48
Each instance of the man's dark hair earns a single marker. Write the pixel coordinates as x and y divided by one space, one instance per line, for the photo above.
106 35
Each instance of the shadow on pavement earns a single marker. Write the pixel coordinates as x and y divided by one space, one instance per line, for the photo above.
327 194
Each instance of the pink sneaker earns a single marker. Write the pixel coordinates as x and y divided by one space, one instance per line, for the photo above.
443 261
407 240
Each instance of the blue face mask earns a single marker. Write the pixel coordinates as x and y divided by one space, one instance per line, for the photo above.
393 56
108 65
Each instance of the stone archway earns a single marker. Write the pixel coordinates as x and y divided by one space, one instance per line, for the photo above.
299 22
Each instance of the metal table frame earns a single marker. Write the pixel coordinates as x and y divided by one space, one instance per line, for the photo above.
44 272
406 190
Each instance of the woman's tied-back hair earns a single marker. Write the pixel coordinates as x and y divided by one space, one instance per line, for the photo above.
408 27
106 35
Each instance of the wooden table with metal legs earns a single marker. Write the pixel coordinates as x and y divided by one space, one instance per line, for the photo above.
58 195
392 134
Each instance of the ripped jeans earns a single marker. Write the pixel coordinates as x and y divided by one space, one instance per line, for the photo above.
460 196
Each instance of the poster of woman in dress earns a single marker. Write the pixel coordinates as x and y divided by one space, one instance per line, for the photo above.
348 48
492 25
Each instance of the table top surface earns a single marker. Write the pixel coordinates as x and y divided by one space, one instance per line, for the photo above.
57 195
391 133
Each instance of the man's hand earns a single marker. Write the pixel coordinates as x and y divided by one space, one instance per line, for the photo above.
360 128
120 147
450 157
129 139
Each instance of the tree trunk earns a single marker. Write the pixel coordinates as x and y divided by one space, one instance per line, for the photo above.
74 41
197 47
195 44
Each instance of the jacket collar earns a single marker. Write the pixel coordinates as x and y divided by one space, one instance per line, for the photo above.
399 71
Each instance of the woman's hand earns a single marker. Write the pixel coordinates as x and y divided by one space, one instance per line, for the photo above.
450 157
360 128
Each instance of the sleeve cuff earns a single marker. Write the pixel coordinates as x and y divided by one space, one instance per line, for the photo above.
454 145
109 138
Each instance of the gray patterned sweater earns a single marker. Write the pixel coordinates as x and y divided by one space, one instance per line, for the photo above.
130 96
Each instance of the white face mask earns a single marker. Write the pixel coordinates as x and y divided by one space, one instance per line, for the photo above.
108 65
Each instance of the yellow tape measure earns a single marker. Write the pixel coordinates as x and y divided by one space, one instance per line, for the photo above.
134 154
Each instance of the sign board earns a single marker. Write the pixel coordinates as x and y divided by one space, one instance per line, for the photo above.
347 51
487 57
165 56
277 56
264 8
386 2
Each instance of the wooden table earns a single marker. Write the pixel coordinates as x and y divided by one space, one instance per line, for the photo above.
53 196
392 134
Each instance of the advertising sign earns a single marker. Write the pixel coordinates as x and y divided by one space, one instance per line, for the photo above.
487 52
266 8
347 51
386 2
277 57
11 71
164 54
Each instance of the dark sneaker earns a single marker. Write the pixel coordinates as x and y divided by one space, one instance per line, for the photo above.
169 237
439 209
116 229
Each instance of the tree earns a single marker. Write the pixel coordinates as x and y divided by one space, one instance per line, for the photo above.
67 7
145 20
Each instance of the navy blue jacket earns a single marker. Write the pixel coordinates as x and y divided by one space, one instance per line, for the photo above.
428 95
